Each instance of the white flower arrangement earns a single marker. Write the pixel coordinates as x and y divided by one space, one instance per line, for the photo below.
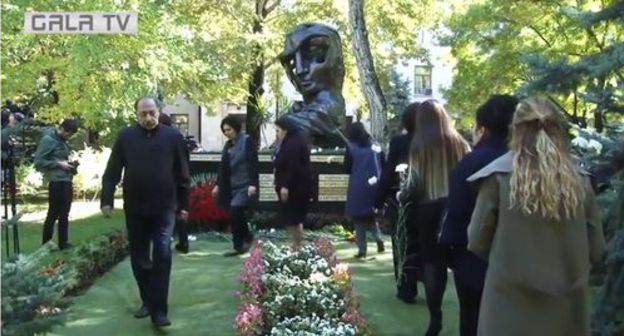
590 144
302 295
376 148
595 145
401 168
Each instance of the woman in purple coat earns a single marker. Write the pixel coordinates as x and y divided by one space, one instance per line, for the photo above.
294 181
363 162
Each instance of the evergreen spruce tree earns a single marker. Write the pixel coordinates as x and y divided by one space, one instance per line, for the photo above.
32 301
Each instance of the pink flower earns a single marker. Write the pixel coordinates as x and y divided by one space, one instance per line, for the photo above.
354 317
249 320
251 274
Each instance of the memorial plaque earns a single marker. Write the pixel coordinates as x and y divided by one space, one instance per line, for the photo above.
333 182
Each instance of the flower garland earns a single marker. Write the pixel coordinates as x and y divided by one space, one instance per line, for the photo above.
305 292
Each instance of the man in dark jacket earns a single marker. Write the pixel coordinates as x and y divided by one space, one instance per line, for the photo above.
398 153
51 158
490 138
156 187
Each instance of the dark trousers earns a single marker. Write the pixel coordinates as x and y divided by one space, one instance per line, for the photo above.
240 230
469 274
151 271
391 215
469 305
412 263
182 229
60 195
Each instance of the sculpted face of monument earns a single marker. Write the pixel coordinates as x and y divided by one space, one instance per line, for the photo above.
313 61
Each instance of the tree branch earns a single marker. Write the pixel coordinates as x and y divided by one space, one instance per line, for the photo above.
541 36
270 8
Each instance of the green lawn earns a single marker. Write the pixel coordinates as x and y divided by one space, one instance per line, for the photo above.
203 283
202 301
80 230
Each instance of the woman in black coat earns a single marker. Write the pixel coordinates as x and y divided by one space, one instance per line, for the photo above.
490 140
294 181
436 148
237 183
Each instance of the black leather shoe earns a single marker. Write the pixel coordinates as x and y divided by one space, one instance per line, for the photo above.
360 256
160 320
182 248
142 312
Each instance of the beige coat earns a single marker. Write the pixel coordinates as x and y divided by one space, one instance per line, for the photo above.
537 282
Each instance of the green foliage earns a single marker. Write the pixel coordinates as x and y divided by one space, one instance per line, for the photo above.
569 49
203 50
98 77
596 77
93 259
398 94
32 302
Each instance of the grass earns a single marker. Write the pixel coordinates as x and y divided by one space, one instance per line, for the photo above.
202 298
80 230
203 283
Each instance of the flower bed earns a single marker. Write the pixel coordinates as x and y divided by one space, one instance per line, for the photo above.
204 214
306 292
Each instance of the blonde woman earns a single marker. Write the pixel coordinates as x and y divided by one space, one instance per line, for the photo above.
436 148
537 223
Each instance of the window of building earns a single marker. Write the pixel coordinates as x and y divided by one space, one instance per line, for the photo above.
181 122
422 80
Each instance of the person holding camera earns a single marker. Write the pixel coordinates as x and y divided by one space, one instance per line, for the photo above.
52 159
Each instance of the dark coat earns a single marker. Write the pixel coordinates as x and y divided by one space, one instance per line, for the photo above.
462 196
361 163
398 152
223 179
293 169
469 269
155 167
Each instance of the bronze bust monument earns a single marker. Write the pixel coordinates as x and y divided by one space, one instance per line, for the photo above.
313 61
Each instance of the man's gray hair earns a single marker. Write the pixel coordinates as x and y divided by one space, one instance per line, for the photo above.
159 103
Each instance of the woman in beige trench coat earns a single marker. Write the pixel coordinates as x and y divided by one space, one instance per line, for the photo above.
537 223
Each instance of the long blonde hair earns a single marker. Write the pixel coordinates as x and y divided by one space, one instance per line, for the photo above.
546 179
436 148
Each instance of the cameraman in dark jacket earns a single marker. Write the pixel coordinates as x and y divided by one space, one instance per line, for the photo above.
51 158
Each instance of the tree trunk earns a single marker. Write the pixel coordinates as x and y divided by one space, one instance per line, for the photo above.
366 69
255 89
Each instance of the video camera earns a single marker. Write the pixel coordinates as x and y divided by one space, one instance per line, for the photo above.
75 165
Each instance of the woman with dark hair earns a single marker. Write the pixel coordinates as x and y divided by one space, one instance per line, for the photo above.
537 223
237 183
363 162
294 181
436 148
490 142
